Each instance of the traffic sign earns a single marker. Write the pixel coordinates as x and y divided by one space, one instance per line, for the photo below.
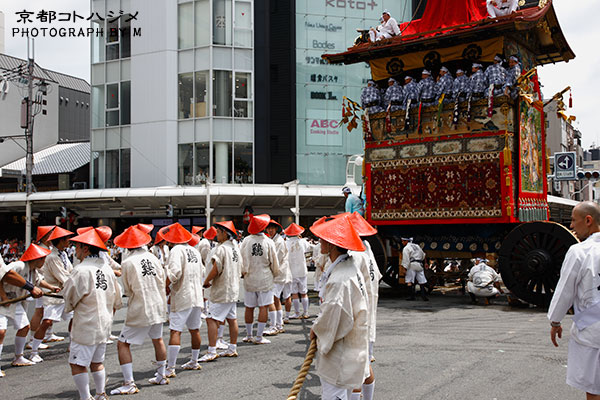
565 166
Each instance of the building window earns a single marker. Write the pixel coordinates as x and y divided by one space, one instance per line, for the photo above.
112 40
125 168
202 163
125 103
186 164
186 95
112 104
242 106
97 169
242 164
201 95
125 38
222 162
222 93
112 169
202 23
186 25
98 44
243 24
98 106
222 22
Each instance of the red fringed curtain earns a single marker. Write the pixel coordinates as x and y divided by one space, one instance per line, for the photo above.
446 13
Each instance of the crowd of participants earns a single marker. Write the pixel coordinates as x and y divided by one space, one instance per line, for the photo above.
183 278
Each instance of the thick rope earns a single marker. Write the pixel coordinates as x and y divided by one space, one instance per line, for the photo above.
21 298
310 355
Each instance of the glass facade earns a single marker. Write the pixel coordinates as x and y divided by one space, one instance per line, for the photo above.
323 146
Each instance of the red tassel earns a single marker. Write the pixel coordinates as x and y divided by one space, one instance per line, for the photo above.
570 100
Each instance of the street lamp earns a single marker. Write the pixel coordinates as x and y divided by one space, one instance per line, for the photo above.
295 210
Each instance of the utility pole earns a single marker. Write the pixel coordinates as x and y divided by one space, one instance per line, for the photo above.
29 142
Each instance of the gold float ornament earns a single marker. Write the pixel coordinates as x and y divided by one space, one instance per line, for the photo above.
542 3
350 113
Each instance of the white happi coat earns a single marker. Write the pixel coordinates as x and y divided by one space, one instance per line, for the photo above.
56 273
144 283
204 248
285 275
260 264
481 280
92 293
12 292
370 271
296 249
410 255
225 287
578 287
342 326
185 271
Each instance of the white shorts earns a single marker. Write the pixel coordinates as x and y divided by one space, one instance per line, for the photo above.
56 313
191 318
83 355
282 290
583 367
137 335
222 311
487 291
299 285
20 320
39 302
332 392
258 299
412 274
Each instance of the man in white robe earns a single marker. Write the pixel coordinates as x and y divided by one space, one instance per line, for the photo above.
259 266
341 329
413 259
483 282
144 284
92 293
388 28
297 259
500 8
579 287
281 281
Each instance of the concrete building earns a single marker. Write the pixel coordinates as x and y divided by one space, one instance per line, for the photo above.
63 117
2 25
173 104
562 136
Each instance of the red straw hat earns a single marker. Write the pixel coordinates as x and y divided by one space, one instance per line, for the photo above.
132 238
273 222
293 230
258 223
227 225
158 238
340 232
43 231
34 252
103 231
210 233
175 233
92 237
196 229
146 228
194 240
363 228
58 233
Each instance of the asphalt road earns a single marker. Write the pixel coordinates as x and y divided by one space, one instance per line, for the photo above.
443 349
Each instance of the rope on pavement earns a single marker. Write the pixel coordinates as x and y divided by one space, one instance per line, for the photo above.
310 355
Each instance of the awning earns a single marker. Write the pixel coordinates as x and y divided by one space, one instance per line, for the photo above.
58 159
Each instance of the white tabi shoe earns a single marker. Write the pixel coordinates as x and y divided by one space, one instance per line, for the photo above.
127 388
280 329
208 357
191 365
53 338
286 320
42 346
222 345
103 396
36 358
228 353
295 316
304 316
272 331
159 380
261 340
170 372
2 374
248 339
113 337
21 361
